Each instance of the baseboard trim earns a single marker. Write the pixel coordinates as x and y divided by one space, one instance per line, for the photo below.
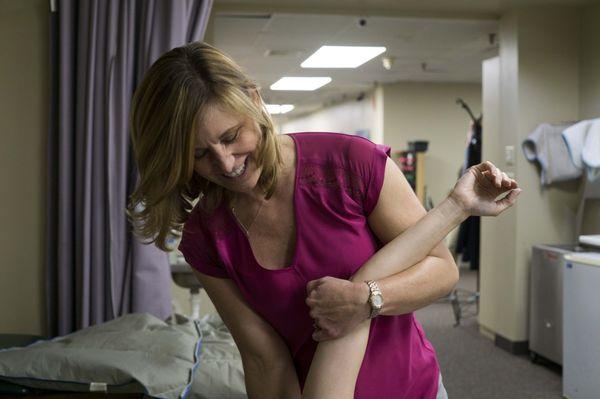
514 347
487 332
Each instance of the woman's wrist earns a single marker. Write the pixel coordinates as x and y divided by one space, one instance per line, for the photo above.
361 297
453 209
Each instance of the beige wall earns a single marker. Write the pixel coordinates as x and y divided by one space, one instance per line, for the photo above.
428 111
539 82
548 91
346 117
494 280
25 81
590 64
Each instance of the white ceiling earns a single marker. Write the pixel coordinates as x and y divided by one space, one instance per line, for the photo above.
271 44
439 8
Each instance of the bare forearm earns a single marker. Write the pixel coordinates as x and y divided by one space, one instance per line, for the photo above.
265 381
414 244
432 274
326 379
417 286
335 365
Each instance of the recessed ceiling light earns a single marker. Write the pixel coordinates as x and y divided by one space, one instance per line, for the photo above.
341 56
275 109
300 83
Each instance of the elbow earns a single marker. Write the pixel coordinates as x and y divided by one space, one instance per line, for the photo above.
453 276
448 278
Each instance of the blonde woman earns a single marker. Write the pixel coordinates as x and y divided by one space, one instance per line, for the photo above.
312 247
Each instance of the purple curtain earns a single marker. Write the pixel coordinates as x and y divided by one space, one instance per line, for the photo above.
96 269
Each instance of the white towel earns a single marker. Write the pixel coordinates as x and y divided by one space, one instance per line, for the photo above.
574 137
583 143
591 151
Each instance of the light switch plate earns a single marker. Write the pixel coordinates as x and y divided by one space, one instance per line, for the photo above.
509 154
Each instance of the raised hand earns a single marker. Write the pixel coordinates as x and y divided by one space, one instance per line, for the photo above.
479 192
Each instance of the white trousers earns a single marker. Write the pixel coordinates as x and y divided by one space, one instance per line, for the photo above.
442 394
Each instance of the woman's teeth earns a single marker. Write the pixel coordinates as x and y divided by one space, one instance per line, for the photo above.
237 172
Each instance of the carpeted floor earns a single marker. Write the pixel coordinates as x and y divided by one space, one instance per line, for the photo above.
473 367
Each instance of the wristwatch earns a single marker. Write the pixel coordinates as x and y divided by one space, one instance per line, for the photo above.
375 298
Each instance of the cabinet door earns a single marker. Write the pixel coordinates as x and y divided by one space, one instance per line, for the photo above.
581 316
546 304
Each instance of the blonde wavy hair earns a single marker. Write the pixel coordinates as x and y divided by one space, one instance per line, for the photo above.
166 111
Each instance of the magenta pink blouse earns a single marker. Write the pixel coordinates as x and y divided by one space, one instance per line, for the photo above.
338 181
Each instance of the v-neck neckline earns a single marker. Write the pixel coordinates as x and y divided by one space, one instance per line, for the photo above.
246 239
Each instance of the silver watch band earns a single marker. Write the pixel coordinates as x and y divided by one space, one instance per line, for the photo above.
375 303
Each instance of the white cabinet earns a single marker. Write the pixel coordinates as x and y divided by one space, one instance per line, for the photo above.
581 326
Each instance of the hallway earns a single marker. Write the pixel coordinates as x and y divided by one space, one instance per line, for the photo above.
473 367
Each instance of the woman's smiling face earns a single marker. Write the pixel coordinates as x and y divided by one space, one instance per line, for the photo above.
225 149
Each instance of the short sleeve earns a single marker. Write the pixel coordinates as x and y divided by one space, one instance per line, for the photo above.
373 181
199 251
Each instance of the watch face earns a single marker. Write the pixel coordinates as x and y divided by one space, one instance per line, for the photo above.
377 301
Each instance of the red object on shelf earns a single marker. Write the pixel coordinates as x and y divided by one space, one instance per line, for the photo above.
407 161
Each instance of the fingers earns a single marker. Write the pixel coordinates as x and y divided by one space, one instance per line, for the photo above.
323 332
488 165
509 199
492 173
507 182
505 179
318 333
498 178
312 285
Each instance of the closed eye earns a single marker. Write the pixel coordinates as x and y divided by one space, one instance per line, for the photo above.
225 140
230 139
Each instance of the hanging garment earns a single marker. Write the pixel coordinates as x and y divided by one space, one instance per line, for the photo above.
583 144
546 146
468 233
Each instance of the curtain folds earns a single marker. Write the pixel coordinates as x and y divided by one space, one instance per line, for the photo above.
96 269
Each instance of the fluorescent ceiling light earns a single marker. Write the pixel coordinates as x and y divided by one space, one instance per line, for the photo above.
275 109
341 56
300 83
